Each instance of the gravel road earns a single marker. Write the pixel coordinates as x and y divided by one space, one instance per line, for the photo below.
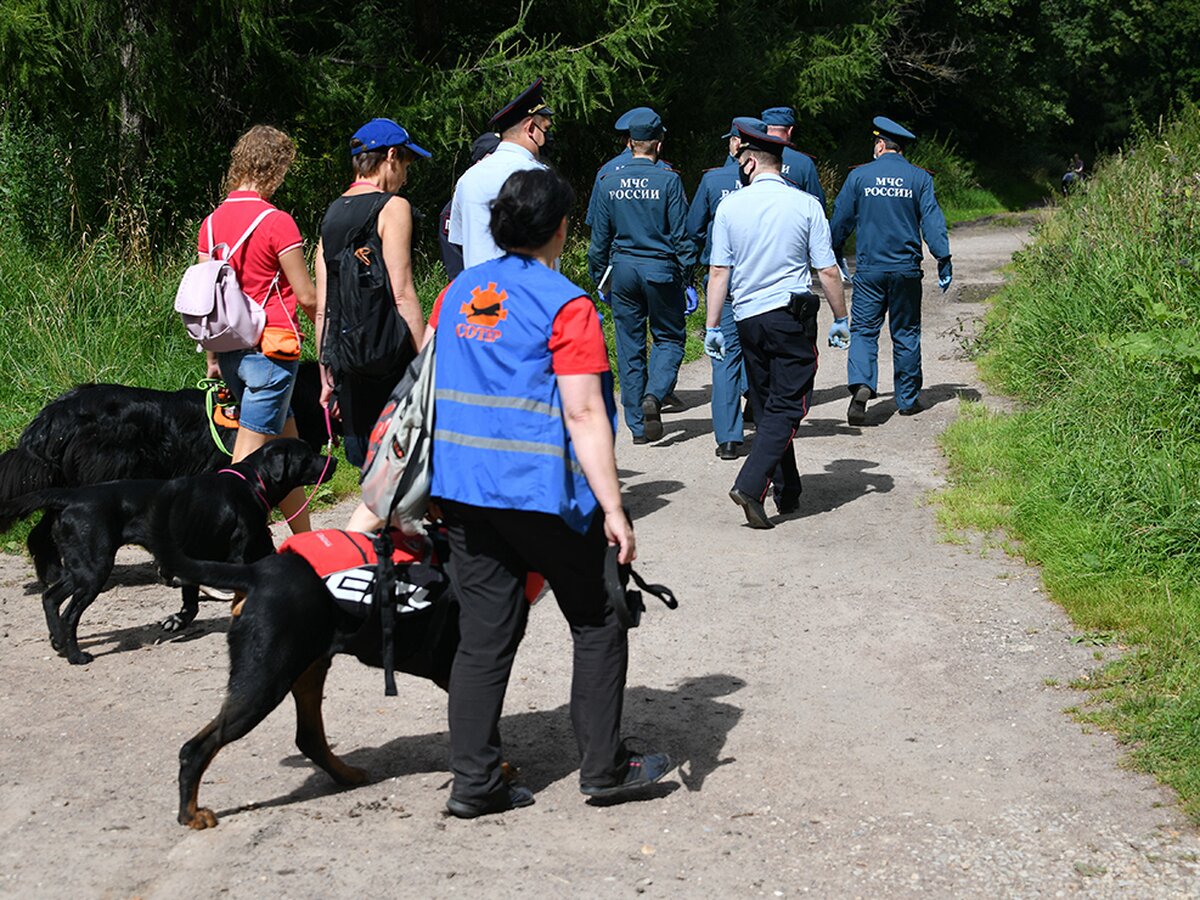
859 710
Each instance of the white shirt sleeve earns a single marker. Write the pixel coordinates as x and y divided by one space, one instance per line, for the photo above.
722 245
455 233
820 249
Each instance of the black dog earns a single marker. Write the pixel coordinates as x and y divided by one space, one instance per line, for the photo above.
108 432
288 631
221 515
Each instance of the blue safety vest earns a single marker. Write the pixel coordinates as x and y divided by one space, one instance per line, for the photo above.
499 439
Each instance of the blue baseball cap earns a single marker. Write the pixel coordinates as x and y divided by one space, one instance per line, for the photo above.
745 122
885 127
779 115
644 124
379 134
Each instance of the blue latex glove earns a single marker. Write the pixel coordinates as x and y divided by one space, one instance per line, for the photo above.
945 273
839 333
603 297
714 343
691 300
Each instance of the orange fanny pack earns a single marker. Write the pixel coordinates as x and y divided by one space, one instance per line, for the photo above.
282 344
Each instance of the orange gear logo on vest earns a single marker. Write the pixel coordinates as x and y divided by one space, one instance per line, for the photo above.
484 311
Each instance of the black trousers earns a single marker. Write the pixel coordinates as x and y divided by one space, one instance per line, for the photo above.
492 550
781 362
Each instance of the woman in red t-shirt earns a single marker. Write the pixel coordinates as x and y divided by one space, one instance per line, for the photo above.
271 270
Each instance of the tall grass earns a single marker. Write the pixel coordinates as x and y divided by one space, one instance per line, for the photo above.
1099 473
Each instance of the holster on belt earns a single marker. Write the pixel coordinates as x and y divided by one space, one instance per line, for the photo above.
804 308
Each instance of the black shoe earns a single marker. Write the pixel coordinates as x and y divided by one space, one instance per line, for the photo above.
788 502
755 514
857 413
672 403
641 771
912 410
640 439
728 450
502 801
652 416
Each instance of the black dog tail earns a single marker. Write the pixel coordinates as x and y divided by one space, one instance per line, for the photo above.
230 576
22 473
27 504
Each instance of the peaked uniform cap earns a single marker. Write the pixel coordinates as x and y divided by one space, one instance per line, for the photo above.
757 139
885 127
623 120
779 115
748 122
527 103
483 145
645 124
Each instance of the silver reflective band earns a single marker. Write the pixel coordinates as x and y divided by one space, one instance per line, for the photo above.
469 399
471 440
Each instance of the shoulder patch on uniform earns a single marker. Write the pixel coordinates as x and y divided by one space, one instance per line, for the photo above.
860 165
713 169
792 182
809 155
663 164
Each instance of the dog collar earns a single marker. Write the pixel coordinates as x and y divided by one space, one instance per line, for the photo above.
260 492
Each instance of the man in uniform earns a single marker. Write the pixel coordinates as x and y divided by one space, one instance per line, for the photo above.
452 254
524 129
892 204
639 229
728 373
622 158
798 167
769 235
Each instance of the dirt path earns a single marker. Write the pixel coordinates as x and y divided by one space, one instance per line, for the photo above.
859 710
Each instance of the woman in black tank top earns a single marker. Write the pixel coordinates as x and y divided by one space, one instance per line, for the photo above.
380 152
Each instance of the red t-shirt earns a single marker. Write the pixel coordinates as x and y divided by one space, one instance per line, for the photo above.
257 261
576 341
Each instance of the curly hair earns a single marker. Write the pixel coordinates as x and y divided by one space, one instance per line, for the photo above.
260 157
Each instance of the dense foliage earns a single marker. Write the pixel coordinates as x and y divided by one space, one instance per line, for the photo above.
121 113
1099 473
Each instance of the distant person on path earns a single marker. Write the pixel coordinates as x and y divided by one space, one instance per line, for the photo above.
765 239
452 254
520 353
380 154
1073 174
639 228
728 372
271 270
798 167
524 129
892 204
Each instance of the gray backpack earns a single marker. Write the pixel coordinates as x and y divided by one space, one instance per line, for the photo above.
216 312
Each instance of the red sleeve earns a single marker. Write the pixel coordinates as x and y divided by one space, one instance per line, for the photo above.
202 237
282 232
437 308
576 342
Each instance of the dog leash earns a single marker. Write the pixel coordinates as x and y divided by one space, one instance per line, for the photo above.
324 471
213 389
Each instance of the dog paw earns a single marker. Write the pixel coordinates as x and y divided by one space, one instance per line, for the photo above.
204 818
79 658
174 622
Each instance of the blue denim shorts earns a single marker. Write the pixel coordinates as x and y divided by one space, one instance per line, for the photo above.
263 388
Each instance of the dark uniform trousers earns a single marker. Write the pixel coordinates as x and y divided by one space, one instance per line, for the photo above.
898 294
492 550
780 351
646 290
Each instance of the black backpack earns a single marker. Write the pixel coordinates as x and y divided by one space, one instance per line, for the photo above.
364 334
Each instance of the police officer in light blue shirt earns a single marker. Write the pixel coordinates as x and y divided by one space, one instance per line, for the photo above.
524 129
765 239
892 204
728 373
639 229
798 167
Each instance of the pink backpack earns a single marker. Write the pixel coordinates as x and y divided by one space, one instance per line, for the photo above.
216 312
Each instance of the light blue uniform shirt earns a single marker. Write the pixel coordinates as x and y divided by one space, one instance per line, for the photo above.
470 215
770 234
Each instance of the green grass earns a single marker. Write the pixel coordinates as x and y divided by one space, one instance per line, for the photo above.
1097 475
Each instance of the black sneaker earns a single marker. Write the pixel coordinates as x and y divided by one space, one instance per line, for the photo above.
502 801
912 410
640 439
652 416
857 413
642 770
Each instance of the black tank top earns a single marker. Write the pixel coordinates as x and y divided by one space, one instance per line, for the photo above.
342 220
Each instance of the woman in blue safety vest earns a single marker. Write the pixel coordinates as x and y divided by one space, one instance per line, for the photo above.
524 473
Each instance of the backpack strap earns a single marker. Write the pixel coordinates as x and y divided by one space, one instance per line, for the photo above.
246 234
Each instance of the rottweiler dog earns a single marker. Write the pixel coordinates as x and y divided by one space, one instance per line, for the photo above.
221 515
288 631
